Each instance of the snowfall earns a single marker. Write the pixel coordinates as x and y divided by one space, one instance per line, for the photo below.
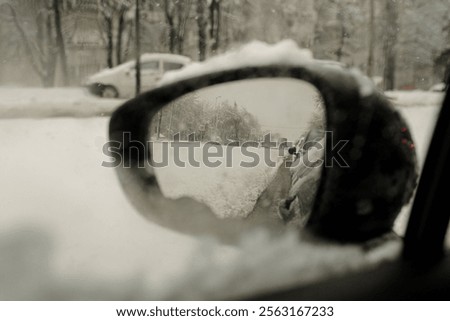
67 230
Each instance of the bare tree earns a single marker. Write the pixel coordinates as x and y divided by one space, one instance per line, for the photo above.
370 58
202 24
214 24
342 35
169 14
60 41
389 48
177 15
138 46
114 24
107 17
346 19
120 29
41 50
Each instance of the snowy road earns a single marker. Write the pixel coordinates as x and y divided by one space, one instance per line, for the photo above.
53 102
230 190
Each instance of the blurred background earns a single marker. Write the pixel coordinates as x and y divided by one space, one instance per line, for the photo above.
403 44
67 230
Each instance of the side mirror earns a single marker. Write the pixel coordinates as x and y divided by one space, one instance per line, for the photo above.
369 161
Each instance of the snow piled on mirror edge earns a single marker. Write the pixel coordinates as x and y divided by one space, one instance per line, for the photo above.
256 53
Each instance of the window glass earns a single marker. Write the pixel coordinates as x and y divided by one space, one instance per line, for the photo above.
67 229
150 65
171 65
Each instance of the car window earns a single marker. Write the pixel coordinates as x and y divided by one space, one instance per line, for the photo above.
171 65
150 65
68 229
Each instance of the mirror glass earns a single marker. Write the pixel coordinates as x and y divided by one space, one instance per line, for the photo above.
250 148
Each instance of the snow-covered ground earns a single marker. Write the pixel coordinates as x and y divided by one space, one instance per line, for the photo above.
68 232
65 222
16 102
229 190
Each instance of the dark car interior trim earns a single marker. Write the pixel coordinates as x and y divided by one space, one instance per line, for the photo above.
430 214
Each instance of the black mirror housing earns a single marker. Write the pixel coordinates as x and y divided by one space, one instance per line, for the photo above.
356 200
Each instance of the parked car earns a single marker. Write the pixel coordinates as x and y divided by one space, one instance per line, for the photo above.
120 80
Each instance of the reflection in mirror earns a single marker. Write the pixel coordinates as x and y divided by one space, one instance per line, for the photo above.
247 149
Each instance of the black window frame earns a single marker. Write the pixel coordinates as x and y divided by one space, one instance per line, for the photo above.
429 218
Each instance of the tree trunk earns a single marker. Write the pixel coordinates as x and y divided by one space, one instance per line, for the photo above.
180 43
218 26
50 66
201 23
40 37
60 42
109 45
214 28
127 45
180 6
138 48
170 21
343 34
184 9
176 19
389 48
340 50
211 19
120 29
370 58
172 37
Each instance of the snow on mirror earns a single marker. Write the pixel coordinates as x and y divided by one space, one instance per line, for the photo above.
249 148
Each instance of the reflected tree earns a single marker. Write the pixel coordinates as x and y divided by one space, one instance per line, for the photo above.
222 123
